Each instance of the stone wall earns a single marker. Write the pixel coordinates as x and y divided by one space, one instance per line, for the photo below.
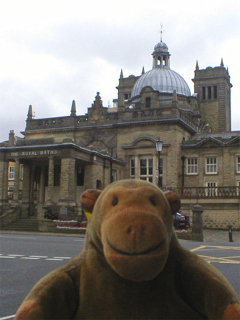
217 213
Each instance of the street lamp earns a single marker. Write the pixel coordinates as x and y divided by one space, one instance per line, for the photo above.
159 145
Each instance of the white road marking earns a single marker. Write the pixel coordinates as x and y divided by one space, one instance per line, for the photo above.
16 237
230 262
21 256
16 255
8 317
30 258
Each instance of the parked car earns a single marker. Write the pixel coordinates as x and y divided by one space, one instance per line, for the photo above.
181 221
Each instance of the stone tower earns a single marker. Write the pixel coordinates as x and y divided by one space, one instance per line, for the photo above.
214 92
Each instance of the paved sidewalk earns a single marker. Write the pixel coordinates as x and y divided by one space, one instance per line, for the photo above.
220 235
208 234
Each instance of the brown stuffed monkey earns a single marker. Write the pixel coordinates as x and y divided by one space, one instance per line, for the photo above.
132 266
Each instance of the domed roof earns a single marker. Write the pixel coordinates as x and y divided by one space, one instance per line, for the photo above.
161 46
162 79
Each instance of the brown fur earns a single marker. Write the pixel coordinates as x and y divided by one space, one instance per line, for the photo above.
132 266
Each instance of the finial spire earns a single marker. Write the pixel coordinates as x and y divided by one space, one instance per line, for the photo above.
30 113
121 74
73 109
222 64
197 66
161 32
143 70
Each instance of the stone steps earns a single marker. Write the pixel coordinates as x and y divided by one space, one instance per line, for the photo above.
22 225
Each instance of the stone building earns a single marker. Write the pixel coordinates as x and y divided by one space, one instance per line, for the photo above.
200 156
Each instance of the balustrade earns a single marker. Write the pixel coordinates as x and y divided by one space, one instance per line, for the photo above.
209 192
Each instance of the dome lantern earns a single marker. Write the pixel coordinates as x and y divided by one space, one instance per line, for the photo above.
161 56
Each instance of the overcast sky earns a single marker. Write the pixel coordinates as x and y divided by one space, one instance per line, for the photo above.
53 52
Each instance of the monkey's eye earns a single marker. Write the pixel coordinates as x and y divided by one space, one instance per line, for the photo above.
153 201
115 201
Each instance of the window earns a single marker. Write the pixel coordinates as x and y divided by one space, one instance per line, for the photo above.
238 164
148 102
146 169
203 93
211 165
192 166
209 92
127 96
10 193
132 167
11 173
211 190
215 92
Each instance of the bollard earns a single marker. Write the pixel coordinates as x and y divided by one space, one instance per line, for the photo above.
230 234
197 224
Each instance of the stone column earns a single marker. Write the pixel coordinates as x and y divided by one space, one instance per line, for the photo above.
26 191
41 186
88 177
67 200
68 181
26 183
93 172
197 224
31 191
16 181
3 180
50 180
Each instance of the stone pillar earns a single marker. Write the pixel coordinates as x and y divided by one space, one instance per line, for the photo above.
68 181
16 181
3 180
87 177
26 191
197 223
26 183
67 200
50 180
93 172
31 191
41 187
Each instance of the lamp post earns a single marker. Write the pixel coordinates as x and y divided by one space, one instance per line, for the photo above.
159 145
111 166
183 167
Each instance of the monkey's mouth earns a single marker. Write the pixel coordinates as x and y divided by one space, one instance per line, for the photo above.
144 252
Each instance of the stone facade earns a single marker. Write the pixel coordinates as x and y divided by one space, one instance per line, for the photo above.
60 157
214 91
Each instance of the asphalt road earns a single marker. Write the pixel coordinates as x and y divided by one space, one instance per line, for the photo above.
25 258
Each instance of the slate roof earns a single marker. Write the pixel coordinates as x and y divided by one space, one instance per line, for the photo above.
214 139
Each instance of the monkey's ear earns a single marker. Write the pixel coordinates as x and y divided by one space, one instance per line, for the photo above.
88 200
173 200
